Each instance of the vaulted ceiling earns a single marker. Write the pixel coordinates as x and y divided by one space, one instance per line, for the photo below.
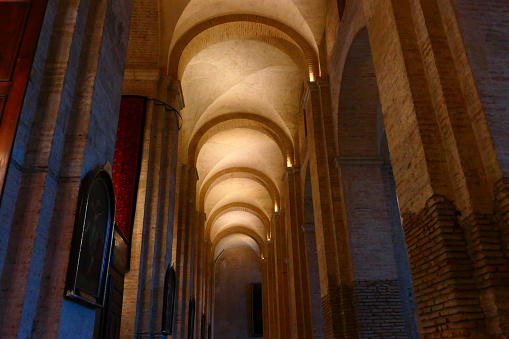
242 65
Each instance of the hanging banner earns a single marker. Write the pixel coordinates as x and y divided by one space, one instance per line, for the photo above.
126 163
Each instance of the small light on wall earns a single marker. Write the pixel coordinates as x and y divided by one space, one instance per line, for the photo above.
262 257
288 162
275 208
311 77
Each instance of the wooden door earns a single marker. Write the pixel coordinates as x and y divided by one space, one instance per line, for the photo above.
20 25
108 319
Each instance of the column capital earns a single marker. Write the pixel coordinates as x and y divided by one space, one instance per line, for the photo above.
290 171
176 95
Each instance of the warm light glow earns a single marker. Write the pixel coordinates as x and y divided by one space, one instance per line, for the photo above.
262 257
288 162
311 77
275 208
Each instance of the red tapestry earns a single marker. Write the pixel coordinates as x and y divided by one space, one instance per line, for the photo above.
126 162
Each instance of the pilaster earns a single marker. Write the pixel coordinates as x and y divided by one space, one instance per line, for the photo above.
331 233
301 320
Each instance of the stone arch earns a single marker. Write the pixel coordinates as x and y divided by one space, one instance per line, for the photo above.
242 30
183 41
237 206
234 230
239 172
240 120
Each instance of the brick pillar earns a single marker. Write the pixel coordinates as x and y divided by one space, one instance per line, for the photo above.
439 169
199 282
437 172
491 268
301 320
477 32
185 247
314 279
281 278
475 162
190 250
57 143
265 297
209 281
271 291
37 176
502 209
153 229
331 233
442 271
152 239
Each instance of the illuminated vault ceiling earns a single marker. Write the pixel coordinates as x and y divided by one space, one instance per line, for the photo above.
242 65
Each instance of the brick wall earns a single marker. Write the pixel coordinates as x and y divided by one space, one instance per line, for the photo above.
379 309
143 50
484 31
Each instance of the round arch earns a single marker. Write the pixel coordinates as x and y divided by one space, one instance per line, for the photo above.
240 120
236 230
237 206
308 51
239 172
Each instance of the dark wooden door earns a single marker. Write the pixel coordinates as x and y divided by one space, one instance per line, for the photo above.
108 319
20 25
